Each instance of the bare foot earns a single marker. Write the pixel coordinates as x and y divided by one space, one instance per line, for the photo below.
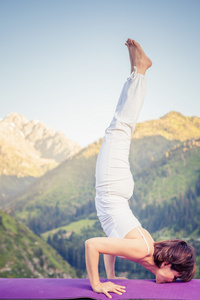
137 57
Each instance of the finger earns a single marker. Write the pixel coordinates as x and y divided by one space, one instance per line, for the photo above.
108 295
121 290
120 286
117 292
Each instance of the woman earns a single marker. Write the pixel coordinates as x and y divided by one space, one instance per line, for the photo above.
168 260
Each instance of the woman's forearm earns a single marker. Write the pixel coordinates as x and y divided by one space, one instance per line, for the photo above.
109 262
92 261
92 250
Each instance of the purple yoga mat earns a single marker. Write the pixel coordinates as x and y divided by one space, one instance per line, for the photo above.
53 288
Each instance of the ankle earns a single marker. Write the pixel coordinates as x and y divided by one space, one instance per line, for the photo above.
138 69
141 70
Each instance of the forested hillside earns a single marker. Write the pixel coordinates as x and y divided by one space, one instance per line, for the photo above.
61 196
24 254
59 206
171 213
178 219
54 199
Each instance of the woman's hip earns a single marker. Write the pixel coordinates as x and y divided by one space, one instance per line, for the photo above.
115 216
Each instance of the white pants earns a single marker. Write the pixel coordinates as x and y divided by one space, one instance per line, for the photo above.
114 181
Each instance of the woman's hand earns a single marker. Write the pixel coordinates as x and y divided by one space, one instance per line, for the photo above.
109 287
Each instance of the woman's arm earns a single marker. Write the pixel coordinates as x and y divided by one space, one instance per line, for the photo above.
109 262
92 260
132 249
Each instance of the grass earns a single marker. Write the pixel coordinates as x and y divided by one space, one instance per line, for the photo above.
75 227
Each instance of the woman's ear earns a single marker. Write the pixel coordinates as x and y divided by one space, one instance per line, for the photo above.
165 263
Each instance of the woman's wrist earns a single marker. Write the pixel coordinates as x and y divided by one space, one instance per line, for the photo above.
95 285
111 276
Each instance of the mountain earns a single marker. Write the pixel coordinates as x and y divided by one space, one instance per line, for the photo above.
165 133
24 254
172 126
35 139
28 149
55 199
58 194
162 168
171 175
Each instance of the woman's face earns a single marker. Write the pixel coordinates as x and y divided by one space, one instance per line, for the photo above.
166 274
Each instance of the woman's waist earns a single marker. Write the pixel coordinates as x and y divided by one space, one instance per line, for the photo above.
113 206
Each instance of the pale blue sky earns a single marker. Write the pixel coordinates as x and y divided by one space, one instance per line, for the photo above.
64 62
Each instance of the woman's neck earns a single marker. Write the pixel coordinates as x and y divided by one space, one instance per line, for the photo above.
149 264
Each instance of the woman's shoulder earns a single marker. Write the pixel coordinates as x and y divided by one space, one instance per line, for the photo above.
146 240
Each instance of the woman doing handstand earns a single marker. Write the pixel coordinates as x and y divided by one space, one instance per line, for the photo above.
126 237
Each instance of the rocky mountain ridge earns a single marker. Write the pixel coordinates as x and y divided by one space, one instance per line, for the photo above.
35 138
172 126
28 149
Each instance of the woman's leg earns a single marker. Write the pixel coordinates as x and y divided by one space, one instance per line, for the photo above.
114 182
113 176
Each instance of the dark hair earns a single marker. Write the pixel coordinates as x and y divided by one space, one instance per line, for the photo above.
179 254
